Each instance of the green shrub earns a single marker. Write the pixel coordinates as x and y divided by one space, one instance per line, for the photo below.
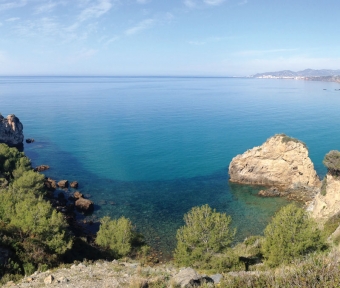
290 234
332 161
286 139
331 224
205 233
115 235
30 181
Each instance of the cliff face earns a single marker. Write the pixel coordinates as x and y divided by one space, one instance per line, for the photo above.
11 130
325 206
281 161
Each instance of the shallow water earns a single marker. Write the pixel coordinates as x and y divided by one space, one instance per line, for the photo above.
150 148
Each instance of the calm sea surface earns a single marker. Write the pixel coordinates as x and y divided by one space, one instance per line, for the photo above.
150 148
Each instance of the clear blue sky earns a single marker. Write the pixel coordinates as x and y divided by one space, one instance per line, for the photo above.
167 37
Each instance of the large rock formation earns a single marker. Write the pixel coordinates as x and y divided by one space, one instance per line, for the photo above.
327 203
281 161
11 130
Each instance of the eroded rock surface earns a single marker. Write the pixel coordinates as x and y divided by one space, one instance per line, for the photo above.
281 161
11 130
327 203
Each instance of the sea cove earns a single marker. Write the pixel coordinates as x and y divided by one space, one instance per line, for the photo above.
150 148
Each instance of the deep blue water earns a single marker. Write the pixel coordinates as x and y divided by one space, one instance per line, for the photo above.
150 148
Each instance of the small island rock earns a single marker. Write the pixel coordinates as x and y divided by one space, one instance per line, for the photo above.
281 161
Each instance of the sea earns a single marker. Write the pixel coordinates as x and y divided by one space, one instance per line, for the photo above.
151 148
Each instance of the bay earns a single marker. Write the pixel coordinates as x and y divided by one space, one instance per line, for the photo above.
150 148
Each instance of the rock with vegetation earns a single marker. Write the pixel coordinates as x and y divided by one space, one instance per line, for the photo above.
281 161
327 202
11 130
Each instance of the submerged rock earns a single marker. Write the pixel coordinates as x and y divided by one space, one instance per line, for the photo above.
281 161
11 130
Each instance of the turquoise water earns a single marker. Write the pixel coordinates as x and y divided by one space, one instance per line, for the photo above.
150 148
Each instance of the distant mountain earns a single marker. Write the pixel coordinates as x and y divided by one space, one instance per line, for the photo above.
303 73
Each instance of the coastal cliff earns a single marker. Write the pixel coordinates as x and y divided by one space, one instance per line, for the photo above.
327 202
11 130
281 161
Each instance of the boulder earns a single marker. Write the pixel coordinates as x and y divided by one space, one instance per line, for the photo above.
63 184
74 184
84 205
11 131
49 279
41 168
188 277
281 161
29 140
50 184
77 195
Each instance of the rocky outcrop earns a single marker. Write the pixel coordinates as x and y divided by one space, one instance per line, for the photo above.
84 205
41 168
63 184
281 161
74 184
50 184
11 130
327 203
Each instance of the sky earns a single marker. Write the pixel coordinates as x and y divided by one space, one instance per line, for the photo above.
167 37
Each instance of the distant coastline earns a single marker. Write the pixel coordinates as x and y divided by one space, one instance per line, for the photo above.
307 75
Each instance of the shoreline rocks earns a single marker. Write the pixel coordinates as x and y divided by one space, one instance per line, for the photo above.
11 131
281 162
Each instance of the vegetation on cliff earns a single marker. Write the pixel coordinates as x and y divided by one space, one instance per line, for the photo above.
332 162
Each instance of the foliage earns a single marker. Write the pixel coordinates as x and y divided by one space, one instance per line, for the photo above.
115 235
205 233
30 181
29 226
324 186
331 225
286 139
318 270
332 161
12 160
290 234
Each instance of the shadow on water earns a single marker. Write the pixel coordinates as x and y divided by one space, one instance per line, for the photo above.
157 207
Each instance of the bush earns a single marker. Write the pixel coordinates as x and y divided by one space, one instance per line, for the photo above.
205 233
115 235
290 234
332 161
